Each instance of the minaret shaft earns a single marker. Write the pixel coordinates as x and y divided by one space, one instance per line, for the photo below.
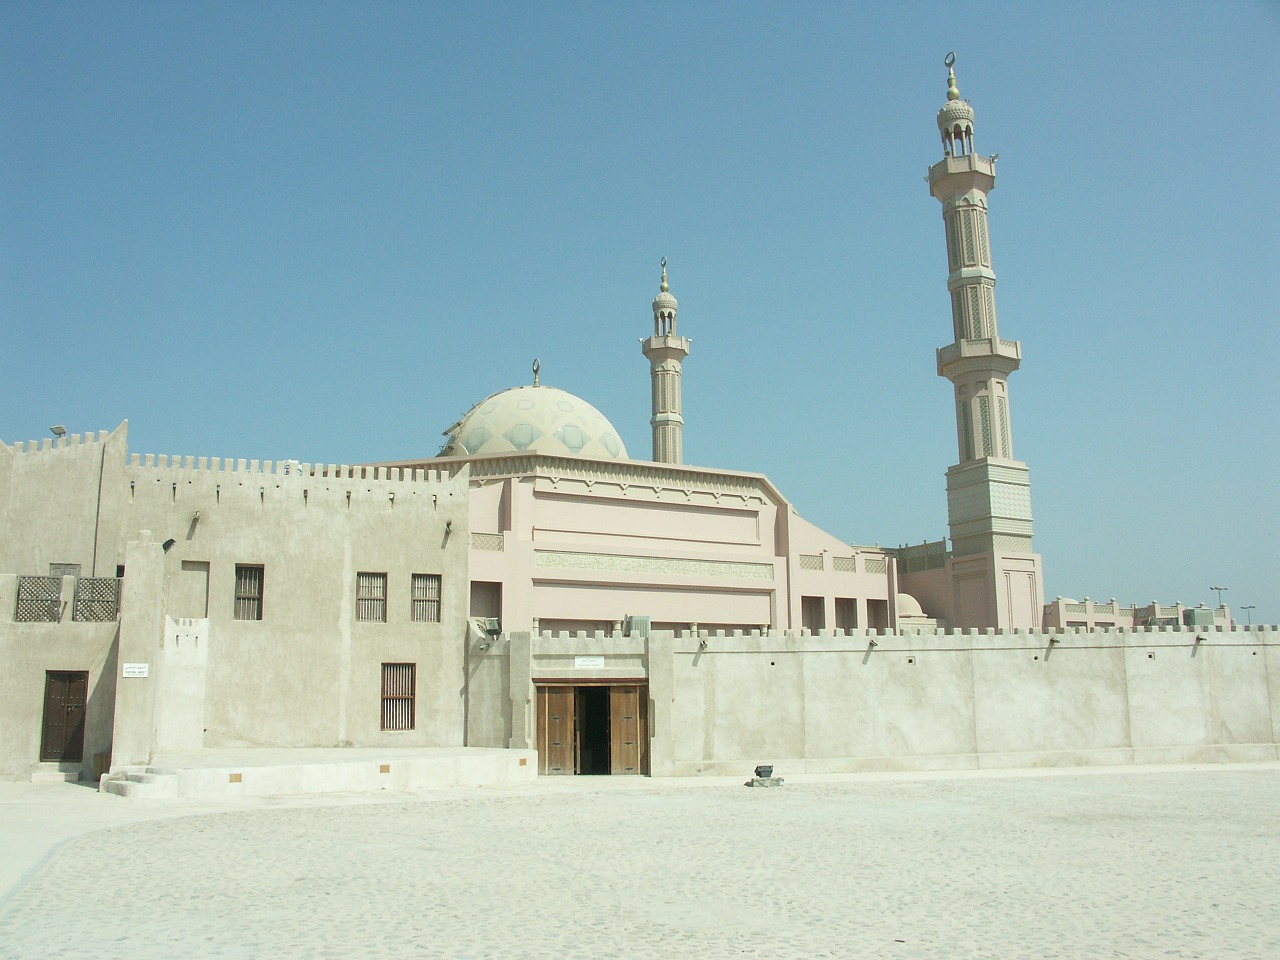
666 351
988 491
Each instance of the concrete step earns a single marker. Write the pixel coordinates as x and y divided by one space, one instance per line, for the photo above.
54 773
140 785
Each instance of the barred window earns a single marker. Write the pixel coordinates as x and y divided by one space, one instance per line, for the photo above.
398 690
248 591
371 597
426 598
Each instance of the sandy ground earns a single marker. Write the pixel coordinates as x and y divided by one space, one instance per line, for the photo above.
1181 862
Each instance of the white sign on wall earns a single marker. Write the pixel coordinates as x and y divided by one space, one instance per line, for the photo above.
135 670
588 663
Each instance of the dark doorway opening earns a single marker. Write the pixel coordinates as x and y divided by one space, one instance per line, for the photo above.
592 713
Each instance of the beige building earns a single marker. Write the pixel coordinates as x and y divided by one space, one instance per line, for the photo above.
533 586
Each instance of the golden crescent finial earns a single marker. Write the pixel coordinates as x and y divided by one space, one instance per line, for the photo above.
953 92
536 367
664 275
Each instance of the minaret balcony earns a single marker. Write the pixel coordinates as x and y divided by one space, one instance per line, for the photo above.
969 163
991 353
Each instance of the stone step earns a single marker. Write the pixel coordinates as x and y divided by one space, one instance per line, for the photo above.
141 785
53 773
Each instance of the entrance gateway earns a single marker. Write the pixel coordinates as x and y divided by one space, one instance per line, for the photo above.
593 727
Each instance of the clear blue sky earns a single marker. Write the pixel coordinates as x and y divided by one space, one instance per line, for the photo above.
322 231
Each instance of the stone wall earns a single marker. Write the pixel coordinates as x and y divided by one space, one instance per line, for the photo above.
27 651
720 704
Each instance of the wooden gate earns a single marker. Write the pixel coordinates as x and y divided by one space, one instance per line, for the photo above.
62 737
628 744
556 731
559 738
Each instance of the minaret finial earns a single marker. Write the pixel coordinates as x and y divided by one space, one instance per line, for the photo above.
536 367
953 92
665 288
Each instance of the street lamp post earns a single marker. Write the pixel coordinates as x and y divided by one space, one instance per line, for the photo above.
1249 607
1219 591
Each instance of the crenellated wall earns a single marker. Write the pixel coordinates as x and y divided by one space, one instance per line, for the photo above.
58 502
865 700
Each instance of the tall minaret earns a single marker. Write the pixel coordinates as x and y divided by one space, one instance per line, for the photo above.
988 491
666 352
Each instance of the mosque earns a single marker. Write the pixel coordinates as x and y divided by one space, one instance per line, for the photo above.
534 587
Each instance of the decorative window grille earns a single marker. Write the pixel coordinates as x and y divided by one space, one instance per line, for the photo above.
876 565
810 561
398 691
371 597
248 592
38 599
97 599
426 598
844 564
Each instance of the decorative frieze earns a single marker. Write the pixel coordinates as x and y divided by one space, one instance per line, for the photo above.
655 566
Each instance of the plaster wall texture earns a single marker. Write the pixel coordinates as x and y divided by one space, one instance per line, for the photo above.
308 673
583 543
58 484
721 703
27 650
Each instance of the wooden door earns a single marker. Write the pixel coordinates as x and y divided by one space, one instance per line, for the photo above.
628 737
555 731
62 737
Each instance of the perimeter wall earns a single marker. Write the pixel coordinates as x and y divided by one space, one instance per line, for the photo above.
915 701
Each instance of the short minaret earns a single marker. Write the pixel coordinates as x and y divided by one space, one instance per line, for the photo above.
666 351
988 491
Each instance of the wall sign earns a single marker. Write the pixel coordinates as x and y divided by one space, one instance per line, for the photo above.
135 670
588 663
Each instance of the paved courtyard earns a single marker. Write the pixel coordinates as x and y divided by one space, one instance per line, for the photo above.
1126 863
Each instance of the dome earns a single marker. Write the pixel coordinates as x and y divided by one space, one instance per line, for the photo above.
953 112
534 419
909 606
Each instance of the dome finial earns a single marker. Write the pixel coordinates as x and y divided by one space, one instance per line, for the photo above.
665 288
953 92
536 367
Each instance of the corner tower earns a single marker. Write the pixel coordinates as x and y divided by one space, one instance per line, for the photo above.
996 579
666 352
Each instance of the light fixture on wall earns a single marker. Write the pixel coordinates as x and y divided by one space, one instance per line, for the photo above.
58 430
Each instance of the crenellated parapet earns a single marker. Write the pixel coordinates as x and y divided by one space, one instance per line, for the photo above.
887 641
218 480
57 444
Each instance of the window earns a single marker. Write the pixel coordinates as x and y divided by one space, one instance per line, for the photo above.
39 599
812 615
846 613
248 592
371 597
398 683
426 598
